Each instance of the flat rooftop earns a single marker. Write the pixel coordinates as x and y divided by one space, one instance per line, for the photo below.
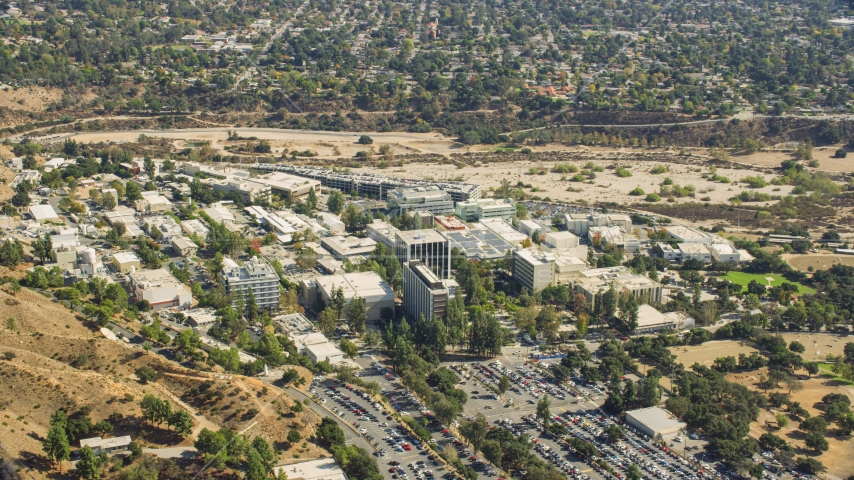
685 233
724 249
414 237
693 248
535 258
650 317
656 418
321 469
358 284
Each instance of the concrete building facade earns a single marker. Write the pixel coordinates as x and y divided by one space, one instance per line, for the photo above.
427 246
160 288
424 293
256 275
421 199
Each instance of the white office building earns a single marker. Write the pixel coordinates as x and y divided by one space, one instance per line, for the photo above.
256 275
160 288
684 234
724 252
481 208
598 280
367 285
421 199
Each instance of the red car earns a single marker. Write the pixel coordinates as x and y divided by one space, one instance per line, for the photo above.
407 447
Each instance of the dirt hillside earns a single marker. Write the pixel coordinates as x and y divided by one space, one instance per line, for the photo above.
51 359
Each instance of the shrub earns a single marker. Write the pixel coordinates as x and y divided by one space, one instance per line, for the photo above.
623 173
841 153
667 181
658 169
564 168
578 178
652 197
754 181
637 192
365 140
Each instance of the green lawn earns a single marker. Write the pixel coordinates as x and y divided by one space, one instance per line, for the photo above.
504 148
743 279
825 368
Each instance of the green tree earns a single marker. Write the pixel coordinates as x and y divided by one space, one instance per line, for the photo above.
349 348
543 411
475 430
89 466
329 434
43 248
335 202
311 199
327 320
132 191
56 446
357 315
365 140
294 436
11 253
633 472
149 167
503 384
154 409
182 421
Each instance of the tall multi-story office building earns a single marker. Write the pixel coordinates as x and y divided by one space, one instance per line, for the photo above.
424 293
427 246
255 275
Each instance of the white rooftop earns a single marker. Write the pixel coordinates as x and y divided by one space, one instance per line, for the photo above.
43 212
359 284
321 469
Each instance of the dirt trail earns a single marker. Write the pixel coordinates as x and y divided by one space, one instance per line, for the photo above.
201 420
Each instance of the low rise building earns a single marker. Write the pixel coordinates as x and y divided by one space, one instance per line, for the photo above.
153 202
724 252
367 285
614 235
580 224
684 251
44 213
126 262
593 281
683 234
166 225
254 275
651 320
201 317
503 229
106 445
421 199
285 185
160 288
478 243
348 247
382 232
184 246
479 209
249 191
321 469
654 422
194 227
